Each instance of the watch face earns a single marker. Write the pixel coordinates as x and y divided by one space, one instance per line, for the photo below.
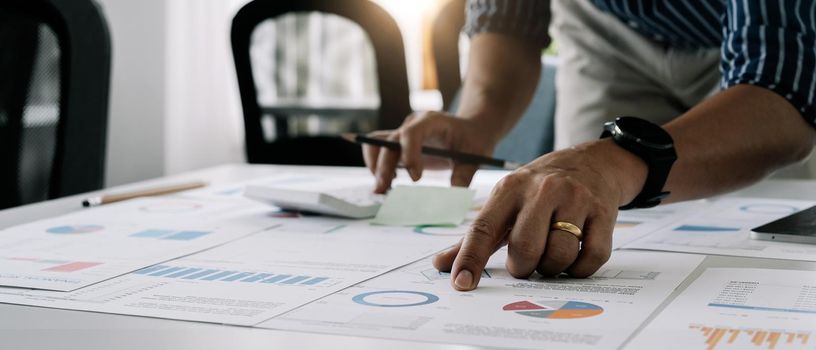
645 131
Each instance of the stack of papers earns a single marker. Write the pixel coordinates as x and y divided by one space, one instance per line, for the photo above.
212 255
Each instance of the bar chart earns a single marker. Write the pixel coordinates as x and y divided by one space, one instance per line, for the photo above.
172 235
742 338
56 265
218 275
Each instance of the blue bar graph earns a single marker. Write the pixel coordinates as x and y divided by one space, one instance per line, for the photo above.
186 235
218 275
296 279
241 275
257 277
151 233
173 235
150 269
166 271
277 278
215 275
200 274
314 281
183 273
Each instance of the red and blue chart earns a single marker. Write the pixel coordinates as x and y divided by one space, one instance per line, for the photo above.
554 309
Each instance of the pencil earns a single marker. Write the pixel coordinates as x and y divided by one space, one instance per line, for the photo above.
436 152
112 198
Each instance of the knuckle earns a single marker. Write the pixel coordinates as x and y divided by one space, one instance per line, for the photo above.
482 230
573 187
548 184
524 249
559 255
517 271
583 274
548 269
598 257
468 258
511 181
605 212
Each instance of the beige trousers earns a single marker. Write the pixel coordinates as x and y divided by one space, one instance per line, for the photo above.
606 69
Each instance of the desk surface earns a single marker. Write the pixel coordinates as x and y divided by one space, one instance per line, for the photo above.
23 327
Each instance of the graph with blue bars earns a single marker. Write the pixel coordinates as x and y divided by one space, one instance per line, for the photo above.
202 274
173 235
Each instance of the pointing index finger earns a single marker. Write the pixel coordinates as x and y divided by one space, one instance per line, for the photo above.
486 232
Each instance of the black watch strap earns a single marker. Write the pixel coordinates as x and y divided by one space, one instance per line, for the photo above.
652 193
640 139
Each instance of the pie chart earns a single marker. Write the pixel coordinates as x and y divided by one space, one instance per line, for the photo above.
554 309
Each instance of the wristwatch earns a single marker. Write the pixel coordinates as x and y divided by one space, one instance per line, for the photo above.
652 144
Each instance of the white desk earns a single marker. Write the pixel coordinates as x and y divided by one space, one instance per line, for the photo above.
23 327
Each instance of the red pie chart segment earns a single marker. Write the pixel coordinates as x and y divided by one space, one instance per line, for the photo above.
522 305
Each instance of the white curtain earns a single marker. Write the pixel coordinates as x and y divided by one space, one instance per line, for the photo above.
204 124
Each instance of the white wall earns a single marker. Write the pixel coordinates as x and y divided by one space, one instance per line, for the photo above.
137 98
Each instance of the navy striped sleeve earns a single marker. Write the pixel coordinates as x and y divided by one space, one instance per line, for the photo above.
528 20
772 44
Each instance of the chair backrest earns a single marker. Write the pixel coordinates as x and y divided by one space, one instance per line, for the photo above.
392 79
445 46
54 81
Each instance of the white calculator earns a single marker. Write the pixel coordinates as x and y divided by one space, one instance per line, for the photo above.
342 197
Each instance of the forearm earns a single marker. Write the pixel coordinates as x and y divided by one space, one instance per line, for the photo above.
501 78
734 139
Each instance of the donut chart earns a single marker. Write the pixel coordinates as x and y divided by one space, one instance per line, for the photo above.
554 309
395 298
440 230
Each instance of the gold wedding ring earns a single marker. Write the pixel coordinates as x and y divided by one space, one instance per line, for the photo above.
567 227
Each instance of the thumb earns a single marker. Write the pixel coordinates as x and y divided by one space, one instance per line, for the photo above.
463 174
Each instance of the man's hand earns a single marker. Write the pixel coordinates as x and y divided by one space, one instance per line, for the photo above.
501 77
583 186
429 129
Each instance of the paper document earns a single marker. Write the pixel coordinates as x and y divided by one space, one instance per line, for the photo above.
632 225
723 227
72 251
425 206
254 278
734 308
418 303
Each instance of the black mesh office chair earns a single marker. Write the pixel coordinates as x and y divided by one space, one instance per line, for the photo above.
392 79
54 80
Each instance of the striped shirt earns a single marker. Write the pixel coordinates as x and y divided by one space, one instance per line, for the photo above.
767 43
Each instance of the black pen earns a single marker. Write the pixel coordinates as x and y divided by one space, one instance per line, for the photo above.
436 152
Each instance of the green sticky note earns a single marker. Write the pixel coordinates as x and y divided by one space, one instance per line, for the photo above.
425 205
